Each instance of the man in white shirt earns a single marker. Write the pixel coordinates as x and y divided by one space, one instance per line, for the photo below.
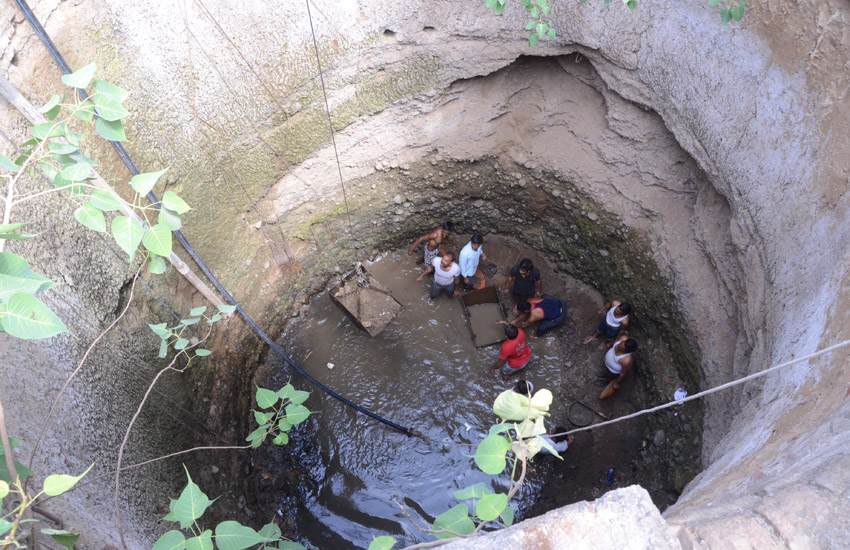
471 254
446 276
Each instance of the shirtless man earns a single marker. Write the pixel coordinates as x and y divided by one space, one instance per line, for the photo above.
435 239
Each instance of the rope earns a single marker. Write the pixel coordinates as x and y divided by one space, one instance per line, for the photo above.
712 390
331 126
132 167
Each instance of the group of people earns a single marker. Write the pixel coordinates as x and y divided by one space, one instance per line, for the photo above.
531 305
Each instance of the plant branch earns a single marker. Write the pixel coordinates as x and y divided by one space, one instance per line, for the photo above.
81 363
130 427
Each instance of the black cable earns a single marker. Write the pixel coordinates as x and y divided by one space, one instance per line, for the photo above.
132 167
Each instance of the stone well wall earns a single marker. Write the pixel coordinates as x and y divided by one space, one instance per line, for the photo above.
720 151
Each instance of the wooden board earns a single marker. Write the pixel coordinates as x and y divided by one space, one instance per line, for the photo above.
482 321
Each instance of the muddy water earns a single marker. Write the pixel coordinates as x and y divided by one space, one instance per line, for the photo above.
422 372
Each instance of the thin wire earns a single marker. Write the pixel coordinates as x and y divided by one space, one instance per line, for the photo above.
331 126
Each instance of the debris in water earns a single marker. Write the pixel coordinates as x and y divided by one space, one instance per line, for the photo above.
330 365
467 426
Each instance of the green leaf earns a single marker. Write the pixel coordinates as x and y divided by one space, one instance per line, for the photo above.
298 396
226 309
104 88
61 148
81 77
110 130
108 108
163 348
500 428
632 4
266 398
257 437
157 239
160 330
382 543
4 489
738 12
491 506
104 200
214 319
91 217
57 484
530 24
507 516
535 12
202 542
510 405
189 321
286 391
551 33
22 470
171 201
289 545
263 418
143 183
128 234
270 531
284 425
473 491
26 318
170 540
47 130
85 111
169 218
16 276
62 537
296 414
197 311
540 29
533 40
201 352
191 504
157 266
231 535
714 2
9 227
76 172
7 164
181 343
54 101
456 520
281 439
725 15
490 454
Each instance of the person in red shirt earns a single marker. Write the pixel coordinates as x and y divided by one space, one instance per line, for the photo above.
514 355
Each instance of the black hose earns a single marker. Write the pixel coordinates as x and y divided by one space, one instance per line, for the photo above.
132 167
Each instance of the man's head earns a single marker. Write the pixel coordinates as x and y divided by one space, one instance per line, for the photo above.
525 267
448 226
523 307
447 259
624 308
563 435
477 240
511 332
522 388
630 345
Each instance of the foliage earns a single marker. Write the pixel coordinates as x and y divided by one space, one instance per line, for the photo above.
279 411
54 151
173 336
515 440
54 485
188 508
541 27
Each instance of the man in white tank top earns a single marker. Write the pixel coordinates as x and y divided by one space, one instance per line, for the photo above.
613 323
620 359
